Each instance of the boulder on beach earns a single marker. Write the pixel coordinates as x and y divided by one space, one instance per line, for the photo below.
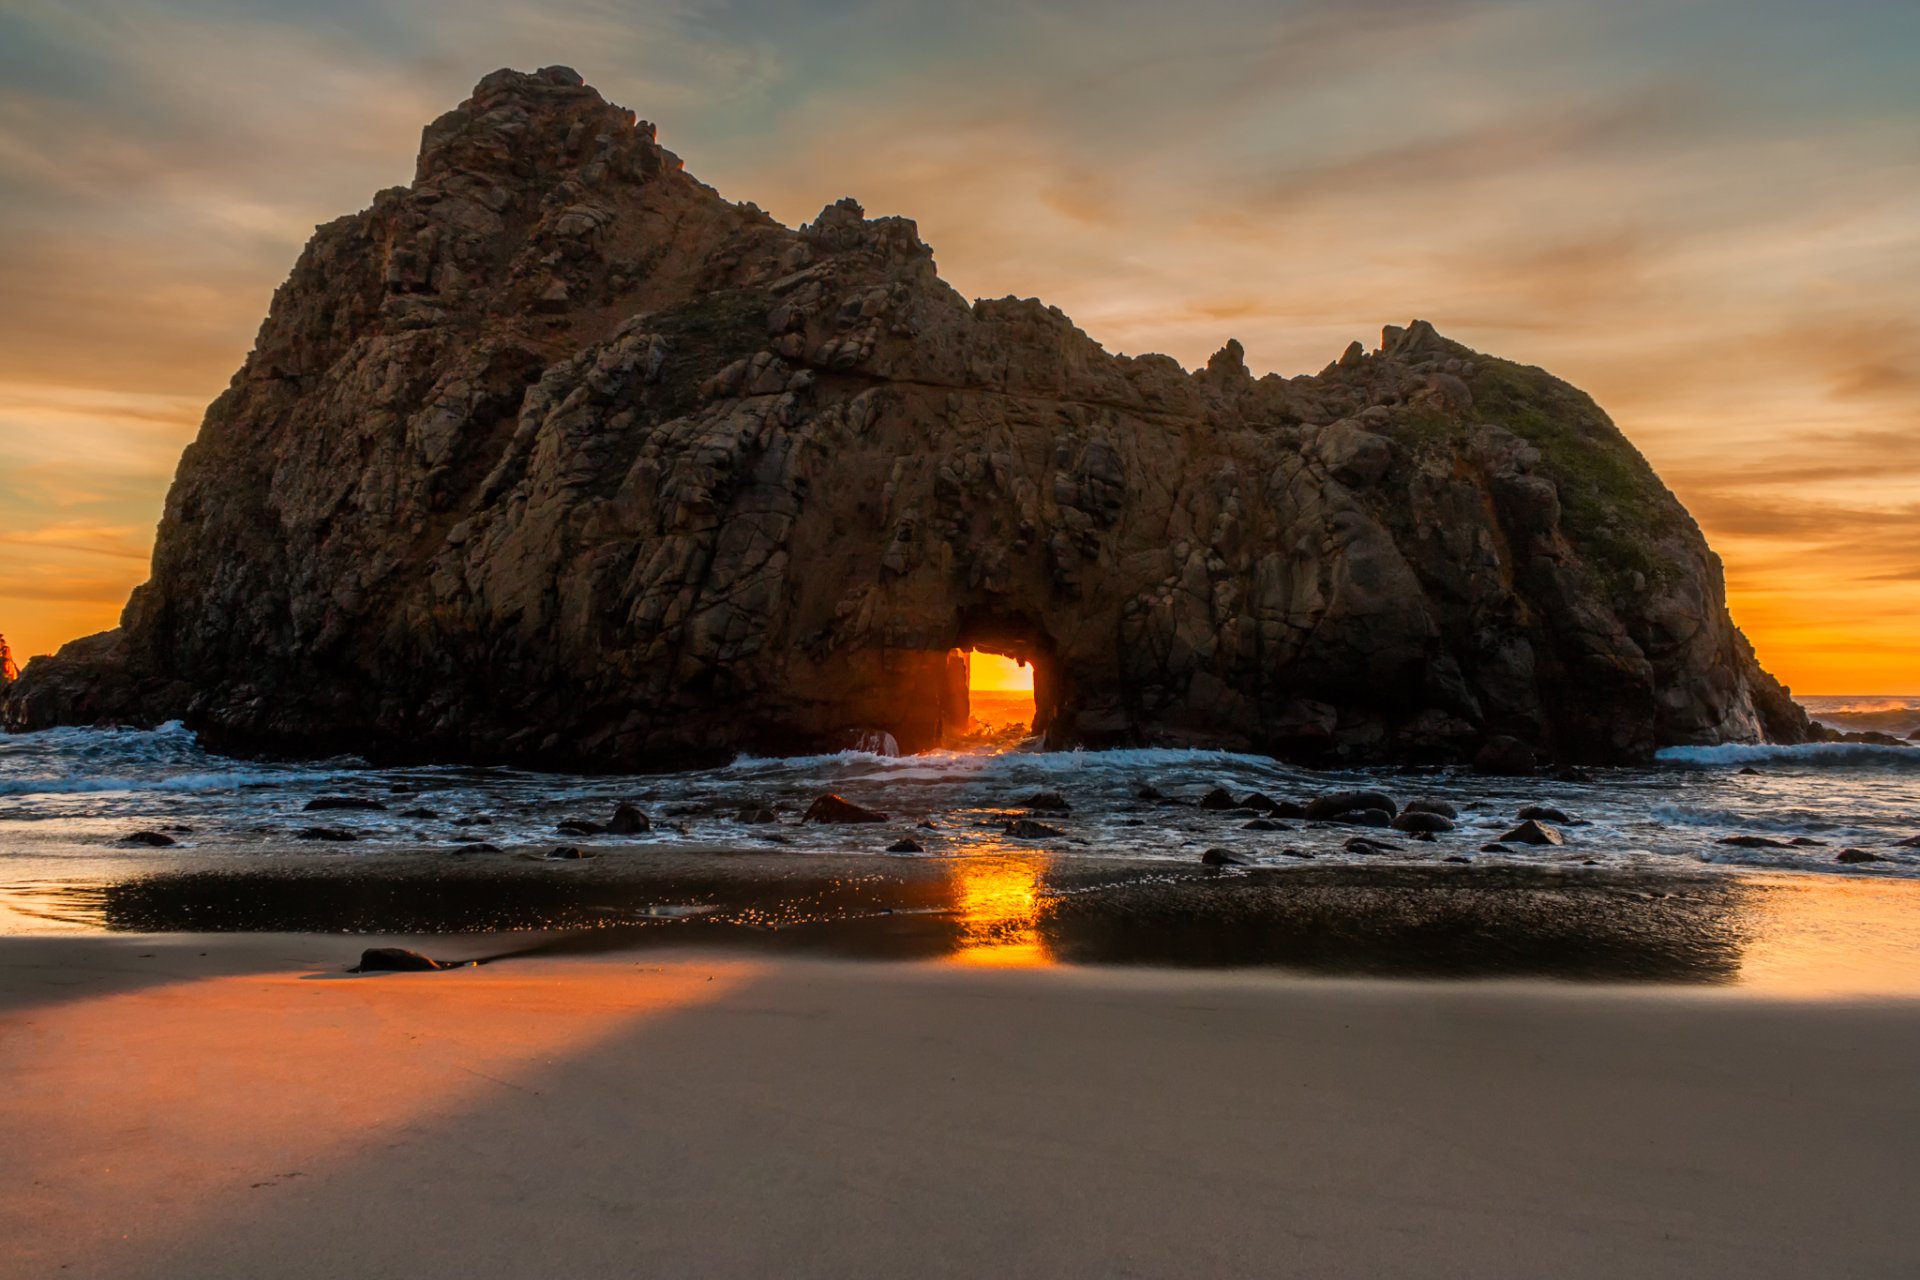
1222 858
1219 799
1544 813
906 844
1364 818
757 816
628 820
1754 842
1421 821
1263 824
1534 832
338 835
579 827
1911 842
474 846
1324 808
567 853
1028 829
1046 802
150 839
399 960
1441 807
835 809
1857 856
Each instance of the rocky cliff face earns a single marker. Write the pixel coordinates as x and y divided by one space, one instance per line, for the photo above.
557 456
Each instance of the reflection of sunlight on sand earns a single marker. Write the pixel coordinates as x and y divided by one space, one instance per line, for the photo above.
997 901
166 1104
1813 936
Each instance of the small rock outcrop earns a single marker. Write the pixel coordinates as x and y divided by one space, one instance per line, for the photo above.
555 456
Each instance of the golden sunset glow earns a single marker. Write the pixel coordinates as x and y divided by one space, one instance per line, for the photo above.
997 898
997 673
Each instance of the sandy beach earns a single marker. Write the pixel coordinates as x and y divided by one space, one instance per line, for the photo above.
213 1106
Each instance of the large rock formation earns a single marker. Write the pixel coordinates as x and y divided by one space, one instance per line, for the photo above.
557 456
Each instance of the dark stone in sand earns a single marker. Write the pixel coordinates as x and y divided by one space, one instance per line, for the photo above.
1911 842
1047 801
319 803
1571 774
397 960
1505 757
1259 802
1494 848
1028 829
1423 835
151 839
475 846
628 821
1532 832
1590 862
758 817
1364 818
1219 798
906 845
425 814
1456 857
1807 842
1749 772
1543 813
1857 855
1753 842
1263 824
1287 809
1360 844
478 820
1222 858
579 827
1148 791
1440 807
1423 822
832 808
1291 852
1322 808
337 834
567 853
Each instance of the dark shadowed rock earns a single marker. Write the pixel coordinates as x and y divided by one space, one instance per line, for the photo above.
474 846
1506 757
1748 771
1544 813
338 835
150 839
1259 802
1753 842
1807 842
425 815
1911 842
397 960
1148 791
1857 855
1364 818
1456 857
1324 808
906 844
1219 799
567 853
478 820
1440 807
1415 820
556 456
1263 824
758 817
1028 829
831 808
1360 844
321 803
1046 802
1222 858
1532 832
579 827
1494 848
628 821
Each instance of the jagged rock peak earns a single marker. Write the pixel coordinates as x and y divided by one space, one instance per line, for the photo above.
558 457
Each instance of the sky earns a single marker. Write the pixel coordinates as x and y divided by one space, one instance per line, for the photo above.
1704 212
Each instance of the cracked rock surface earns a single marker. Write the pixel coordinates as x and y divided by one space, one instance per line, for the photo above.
558 457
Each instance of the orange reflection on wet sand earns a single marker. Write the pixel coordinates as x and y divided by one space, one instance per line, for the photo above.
997 898
1830 936
126 1119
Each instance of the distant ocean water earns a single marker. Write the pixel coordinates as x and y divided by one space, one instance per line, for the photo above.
69 796
1867 713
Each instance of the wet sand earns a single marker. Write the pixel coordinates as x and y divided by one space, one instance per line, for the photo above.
213 1106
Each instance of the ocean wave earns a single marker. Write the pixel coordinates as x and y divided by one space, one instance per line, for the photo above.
186 782
1810 755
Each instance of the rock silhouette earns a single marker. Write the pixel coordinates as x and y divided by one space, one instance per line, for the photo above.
556 456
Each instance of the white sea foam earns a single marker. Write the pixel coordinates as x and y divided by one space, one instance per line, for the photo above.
1812 755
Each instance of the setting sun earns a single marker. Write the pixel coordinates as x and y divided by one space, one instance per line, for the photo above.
997 673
